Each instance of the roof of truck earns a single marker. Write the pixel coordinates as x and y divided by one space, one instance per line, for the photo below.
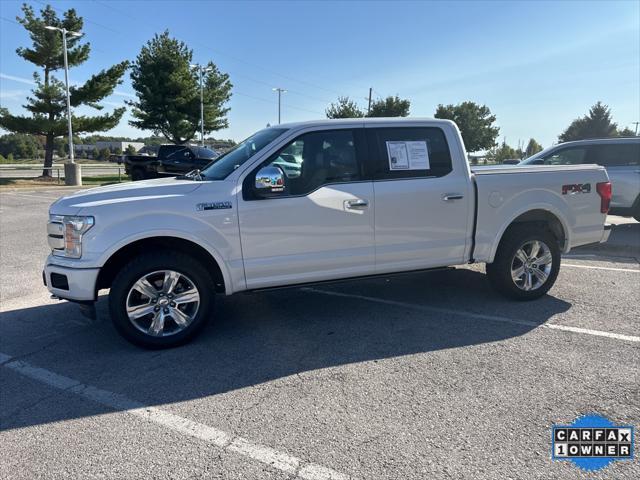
338 121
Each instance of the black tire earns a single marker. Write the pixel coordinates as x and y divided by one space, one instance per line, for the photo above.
152 262
499 272
138 173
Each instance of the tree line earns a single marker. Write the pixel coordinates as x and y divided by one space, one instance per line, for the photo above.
166 86
167 98
478 125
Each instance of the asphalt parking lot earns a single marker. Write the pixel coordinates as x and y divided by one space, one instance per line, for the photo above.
429 375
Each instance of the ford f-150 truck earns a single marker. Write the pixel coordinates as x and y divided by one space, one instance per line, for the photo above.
309 202
171 160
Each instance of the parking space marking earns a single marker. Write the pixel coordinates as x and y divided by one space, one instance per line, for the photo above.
39 197
218 438
613 269
482 316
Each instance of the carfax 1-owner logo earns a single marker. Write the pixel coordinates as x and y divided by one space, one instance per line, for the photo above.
592 442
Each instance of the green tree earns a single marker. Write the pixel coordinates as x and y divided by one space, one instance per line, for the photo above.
502 153
130 150
47 106
168 95
533 147
626 132
96 153
392 106
104 154
476 124
596 124
20 145
344 108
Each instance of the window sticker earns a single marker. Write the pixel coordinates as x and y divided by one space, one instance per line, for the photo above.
411 155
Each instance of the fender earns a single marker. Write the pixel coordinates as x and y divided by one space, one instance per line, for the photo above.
196 230
527 201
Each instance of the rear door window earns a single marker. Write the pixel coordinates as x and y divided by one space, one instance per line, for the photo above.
408 152
617 155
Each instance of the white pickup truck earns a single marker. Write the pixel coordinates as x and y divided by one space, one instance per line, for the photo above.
310 202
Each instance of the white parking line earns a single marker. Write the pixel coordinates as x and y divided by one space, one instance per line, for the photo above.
613 269
217 438
481 316
39 197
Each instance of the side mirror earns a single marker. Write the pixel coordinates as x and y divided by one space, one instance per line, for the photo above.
270 182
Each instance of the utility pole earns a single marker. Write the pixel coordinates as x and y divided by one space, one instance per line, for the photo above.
201 72
369 104
280 92
72 174
636 124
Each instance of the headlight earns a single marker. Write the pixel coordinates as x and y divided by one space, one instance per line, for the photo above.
65 234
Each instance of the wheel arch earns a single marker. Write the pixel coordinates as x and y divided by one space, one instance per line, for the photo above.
166 242
543 216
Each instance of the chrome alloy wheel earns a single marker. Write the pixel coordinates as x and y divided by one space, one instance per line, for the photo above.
162 303
531 265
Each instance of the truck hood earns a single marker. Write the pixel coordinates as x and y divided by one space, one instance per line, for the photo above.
123 193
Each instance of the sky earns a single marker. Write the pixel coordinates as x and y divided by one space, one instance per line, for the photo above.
536 65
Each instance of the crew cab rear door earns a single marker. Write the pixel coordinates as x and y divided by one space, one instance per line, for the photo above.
320 227
423 198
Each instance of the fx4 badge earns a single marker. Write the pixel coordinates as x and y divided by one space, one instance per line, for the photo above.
576 188
213 206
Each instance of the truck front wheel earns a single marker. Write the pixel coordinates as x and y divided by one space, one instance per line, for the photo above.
526 264
138 174
161 299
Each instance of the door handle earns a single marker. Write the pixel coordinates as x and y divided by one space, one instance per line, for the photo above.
447 197
356 204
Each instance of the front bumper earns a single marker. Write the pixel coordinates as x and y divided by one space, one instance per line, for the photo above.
606 232
77 284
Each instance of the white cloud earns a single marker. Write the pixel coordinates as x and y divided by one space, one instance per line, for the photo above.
27 81
13 94
120 93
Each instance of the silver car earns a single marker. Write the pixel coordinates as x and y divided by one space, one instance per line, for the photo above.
621 158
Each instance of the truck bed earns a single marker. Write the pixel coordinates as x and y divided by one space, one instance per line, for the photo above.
504 192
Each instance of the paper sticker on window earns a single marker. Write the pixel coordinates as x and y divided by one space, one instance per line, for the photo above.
412 155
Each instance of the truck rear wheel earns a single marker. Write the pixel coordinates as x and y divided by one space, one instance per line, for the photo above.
526 264
161 299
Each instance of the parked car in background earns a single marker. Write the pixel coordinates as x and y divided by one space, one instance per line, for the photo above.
171 160
621 158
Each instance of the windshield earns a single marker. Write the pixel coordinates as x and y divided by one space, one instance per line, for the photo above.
538 158
204 152
227 163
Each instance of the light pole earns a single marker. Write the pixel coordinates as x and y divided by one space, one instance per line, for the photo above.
280 92
201 71
71 174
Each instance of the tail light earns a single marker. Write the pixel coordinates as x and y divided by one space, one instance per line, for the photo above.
604 190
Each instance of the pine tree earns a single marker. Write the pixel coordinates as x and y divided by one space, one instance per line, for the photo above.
597 124
48 103
168 93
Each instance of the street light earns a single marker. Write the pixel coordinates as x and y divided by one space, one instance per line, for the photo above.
280 92
71 174
201 70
